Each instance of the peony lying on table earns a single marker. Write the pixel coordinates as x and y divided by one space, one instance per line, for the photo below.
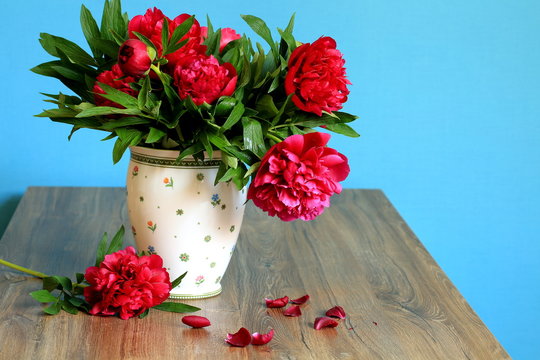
170 83
122 283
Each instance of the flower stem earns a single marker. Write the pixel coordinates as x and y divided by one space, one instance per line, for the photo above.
273 137
23 269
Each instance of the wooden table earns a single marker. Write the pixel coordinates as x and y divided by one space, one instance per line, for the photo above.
359 254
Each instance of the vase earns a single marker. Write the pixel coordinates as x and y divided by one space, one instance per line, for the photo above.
177 212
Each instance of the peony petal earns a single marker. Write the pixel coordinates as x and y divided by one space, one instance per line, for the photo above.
261 339
301 300
336 311
322 322
293 311
277 303
241 338
196 321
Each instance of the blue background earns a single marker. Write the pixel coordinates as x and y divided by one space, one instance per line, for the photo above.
449 98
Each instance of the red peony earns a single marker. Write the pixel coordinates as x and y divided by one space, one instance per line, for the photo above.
316 77
133 58
150 25
227 35
126 284
298 176
204 79
116 79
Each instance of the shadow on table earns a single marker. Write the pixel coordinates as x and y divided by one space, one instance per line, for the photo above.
7 208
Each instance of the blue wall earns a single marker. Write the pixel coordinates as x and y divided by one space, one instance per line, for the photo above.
449 98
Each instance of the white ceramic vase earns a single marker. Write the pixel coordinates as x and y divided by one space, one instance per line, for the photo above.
176 212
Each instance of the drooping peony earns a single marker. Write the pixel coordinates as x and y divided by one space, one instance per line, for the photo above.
126 284
204 78
227 35
298 176
133 58
316 77
116 79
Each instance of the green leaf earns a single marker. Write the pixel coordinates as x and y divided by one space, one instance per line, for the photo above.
123 122
53 44
178 33
68 307
112 20
64 282
107 110
178 280
49 283
144 314
132 138
206 143
345 117
43 296
261 29
116 242
165 35
252 169
108 47
224 106
253 136
76 301
176 307
230 173
265 105
234 116
145 40
154 135
53 309
90 30
79 277
289 40
191 150
142 99
290 26
101 249
343 129
57 113
118 96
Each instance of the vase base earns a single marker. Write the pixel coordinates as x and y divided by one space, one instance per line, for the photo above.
195 296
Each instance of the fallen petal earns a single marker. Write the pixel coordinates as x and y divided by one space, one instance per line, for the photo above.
301 300
196 321
322 322
336 311
241 338
261 339
277 303
293 311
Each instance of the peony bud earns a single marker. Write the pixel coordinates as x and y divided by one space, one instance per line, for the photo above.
135 58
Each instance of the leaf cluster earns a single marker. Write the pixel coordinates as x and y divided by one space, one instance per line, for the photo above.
242 127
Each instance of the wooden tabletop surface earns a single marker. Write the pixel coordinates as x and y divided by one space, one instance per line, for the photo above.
359 254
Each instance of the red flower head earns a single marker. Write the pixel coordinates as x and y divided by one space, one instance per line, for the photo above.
116 79
193 47
227 35
298 176
150 25
126 284
204 79
133 58
316 77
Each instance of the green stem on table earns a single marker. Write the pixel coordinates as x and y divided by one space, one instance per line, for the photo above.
23 269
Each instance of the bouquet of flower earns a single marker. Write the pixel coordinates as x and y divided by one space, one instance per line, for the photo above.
169 83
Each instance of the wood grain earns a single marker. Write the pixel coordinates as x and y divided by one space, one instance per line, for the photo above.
359 254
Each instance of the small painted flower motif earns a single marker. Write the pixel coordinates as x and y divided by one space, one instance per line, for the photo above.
179 212
215 200
218 279
223 207
184 257
212 264
232 228
151 226
207 238
200 176
133 231
199 280
135 171
168 182
141 199
151 250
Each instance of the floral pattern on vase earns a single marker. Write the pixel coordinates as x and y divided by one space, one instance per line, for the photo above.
187 222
